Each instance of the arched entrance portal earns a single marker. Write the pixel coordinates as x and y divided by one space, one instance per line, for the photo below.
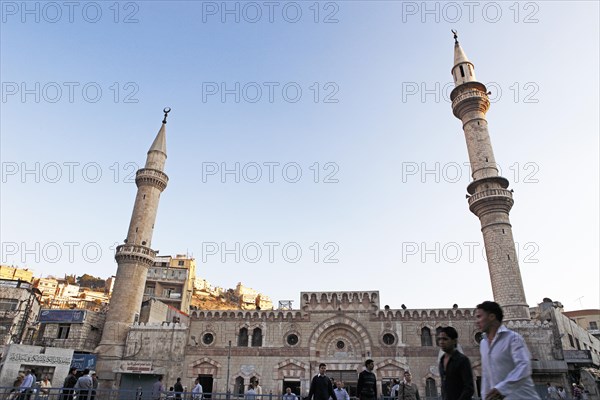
343 344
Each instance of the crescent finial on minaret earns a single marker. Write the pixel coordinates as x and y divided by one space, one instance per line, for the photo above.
166 110
455 35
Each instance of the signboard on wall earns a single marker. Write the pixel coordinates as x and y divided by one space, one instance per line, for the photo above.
136 366
62 316
83 361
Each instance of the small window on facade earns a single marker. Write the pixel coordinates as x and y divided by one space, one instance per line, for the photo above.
462 71
243 337
430 389
239 386
426 337
181 263
8 304
389 339
593 325
578 344
340 344
208 338
571 340
292 339
256 337
63 331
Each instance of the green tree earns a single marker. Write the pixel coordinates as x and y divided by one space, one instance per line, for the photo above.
90 281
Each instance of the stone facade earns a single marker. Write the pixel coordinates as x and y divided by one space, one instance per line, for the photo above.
54 362
587 319
19 307
81 336
13 273
171 280
284 347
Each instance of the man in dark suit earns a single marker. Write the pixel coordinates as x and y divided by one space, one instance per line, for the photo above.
455 368
320 386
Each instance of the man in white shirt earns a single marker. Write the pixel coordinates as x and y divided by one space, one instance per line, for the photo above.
394 390
197 390
505 360
27 382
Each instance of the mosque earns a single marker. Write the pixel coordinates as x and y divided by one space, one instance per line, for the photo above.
281 348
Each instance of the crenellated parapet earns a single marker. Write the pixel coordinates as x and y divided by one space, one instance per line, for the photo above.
340 301
242 315
159 326
425 314
525 324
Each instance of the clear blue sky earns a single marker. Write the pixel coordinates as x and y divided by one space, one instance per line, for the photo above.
372 113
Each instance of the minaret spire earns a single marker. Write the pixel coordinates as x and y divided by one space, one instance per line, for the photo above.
134 257
489 199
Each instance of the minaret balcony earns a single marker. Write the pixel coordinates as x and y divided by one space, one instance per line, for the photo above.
135 253
471 96
154 177
495 199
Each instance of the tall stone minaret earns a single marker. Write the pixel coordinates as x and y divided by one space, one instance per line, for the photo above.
488 197
134 257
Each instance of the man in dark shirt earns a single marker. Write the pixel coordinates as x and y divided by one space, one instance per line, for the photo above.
69 384
178 388
367 382
320 386
455 368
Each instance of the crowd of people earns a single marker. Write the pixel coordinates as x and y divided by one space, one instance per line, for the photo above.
505 370
77 383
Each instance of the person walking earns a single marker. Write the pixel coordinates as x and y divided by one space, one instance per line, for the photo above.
552 392
455 368
84 385
197 390
320 386
407 389
157 388
505 360
367 382
178 388
69 384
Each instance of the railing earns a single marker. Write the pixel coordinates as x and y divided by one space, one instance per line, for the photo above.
469 94
83 344
10 393
152 172
490 193
136 249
